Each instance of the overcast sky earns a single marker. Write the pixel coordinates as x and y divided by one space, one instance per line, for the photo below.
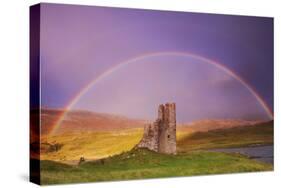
78 43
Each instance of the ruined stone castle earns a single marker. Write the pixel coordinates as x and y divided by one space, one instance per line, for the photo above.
160 136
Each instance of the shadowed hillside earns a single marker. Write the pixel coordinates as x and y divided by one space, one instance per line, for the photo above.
213 124
258 134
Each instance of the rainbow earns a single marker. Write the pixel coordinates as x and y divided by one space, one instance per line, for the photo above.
155 54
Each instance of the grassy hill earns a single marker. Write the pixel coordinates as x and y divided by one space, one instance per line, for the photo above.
91 145
96 145
215 124
142 163
233 137
123 163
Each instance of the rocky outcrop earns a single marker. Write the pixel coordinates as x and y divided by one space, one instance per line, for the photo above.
160 136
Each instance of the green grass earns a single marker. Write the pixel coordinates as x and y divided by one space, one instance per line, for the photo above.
138 164
234 137
142 163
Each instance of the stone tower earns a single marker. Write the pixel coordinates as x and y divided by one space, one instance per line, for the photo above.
160 136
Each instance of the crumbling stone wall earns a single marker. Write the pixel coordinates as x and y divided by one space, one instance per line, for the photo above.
160 136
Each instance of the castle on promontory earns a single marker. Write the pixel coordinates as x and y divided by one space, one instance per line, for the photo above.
160 136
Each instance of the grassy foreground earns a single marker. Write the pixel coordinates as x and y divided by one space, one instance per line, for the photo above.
141 163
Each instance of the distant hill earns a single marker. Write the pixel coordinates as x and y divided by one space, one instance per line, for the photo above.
83 121
80 121
214 124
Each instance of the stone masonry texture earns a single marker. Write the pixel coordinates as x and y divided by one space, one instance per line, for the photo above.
160 136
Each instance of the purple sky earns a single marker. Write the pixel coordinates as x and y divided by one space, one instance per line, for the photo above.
80 42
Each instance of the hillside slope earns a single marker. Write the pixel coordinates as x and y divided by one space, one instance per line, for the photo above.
95 145
258 134
142 163
213 124
83 121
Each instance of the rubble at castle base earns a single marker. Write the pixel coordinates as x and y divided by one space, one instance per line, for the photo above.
150 138
160 136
